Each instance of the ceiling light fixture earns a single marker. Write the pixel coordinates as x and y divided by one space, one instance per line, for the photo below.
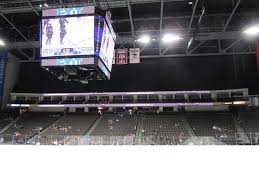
145 39
2 43
168 38
252 30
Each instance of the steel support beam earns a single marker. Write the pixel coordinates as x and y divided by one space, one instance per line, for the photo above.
17 30
161 23
62 4
13 26
175 55
219 45
198 55
233 44
189 42
196 47
24 54
230 17
193 13
113 4
129 39
131 21
94 3
29 3
235 35
187 17
164 51
108 4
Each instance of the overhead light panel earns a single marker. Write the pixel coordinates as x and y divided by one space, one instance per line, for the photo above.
44 5
168 38
145 39
253 30
2 43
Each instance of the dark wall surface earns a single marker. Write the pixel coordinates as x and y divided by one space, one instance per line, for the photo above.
186 73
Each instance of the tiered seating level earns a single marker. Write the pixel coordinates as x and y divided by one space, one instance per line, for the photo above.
28 123
5 119
115 125
250 121
212 124
67 126
159 129
76 124
164 129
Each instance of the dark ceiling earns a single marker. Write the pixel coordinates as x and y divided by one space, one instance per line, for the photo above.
219 32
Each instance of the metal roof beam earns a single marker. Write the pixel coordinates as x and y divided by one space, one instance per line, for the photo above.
62 4
108 4
13 26
233 44
247 14
230 17
131 21
24 54
189 42
175 55
193 13
29 3
196 47
113 4
130 40
161 22
198 54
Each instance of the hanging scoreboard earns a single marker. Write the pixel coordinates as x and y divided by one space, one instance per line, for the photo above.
77 36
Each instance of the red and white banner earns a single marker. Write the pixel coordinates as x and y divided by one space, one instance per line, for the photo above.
134 55
122 56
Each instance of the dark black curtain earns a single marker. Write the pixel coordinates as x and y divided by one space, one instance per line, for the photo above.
186 73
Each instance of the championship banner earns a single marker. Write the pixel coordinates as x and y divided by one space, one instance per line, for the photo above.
134 55
122 57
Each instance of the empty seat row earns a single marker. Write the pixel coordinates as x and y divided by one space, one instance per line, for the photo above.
219 125
249 121
164 129
116 125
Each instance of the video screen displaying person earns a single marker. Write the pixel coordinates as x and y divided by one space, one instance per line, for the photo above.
107 47
63 32
49 33
75 33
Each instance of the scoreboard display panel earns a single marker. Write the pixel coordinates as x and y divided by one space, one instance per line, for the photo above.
67 36
107 47
73 37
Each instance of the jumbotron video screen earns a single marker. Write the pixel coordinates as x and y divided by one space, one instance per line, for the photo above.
67 36
107 47
73 37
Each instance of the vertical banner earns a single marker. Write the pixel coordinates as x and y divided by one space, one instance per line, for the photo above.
3 60
98 33
134 55
122 56
257 56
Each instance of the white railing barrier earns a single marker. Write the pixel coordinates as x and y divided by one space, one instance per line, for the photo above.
235 139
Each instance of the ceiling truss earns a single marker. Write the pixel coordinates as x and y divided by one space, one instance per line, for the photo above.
217 37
